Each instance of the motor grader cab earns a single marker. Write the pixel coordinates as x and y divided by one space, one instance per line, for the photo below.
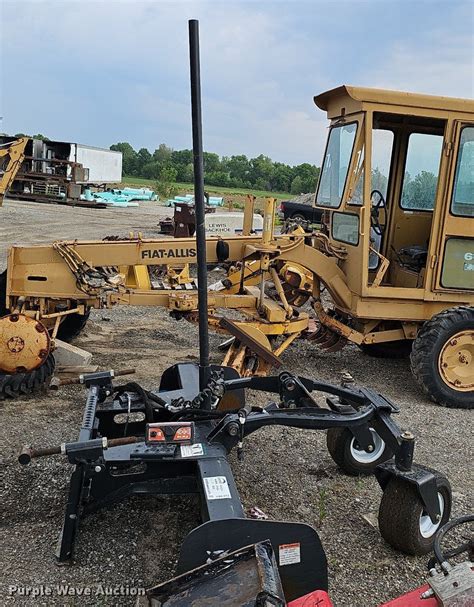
397 188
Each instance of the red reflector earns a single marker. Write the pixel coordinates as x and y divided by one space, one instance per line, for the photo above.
156 435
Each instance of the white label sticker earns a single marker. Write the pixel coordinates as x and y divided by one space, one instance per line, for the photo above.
192 450
289 554
216 488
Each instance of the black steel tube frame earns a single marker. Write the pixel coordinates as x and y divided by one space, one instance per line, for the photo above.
104 476
199 205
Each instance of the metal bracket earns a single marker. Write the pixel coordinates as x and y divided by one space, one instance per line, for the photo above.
420 477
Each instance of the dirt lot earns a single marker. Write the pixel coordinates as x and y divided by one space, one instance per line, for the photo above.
287 473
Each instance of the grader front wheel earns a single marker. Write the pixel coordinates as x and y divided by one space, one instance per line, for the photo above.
442 358
13 385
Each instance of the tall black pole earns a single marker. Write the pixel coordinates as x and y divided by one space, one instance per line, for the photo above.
199 204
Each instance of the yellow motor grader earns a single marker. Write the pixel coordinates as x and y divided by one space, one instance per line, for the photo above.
395 255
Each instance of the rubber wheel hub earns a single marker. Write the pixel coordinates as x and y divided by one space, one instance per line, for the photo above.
24 343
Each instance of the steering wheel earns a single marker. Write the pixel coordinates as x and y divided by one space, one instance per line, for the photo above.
378 202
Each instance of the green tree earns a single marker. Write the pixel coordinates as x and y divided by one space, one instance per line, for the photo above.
261 170
281 177
165 185
163 155
143 158
420 192
212 162
129 157
297 185
238 169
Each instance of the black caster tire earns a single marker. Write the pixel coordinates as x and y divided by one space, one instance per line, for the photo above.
403 523
342 447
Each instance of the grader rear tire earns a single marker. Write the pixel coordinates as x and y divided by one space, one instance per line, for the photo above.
442 358
72 325
3 294
388 349
21 384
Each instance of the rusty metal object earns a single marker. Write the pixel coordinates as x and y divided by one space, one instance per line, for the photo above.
245 577
24 343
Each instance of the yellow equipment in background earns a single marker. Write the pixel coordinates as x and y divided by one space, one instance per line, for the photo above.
11 158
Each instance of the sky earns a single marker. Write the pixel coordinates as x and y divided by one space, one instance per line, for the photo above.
99 72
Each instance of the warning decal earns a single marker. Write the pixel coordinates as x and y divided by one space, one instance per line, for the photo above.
192 450
216 488
289 554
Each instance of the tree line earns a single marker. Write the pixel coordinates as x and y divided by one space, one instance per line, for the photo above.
260 173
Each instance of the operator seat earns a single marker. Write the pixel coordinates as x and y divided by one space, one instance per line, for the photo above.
413 257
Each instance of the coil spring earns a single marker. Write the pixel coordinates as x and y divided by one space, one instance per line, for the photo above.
213 389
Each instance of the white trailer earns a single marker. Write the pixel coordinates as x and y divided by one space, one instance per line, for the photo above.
104 166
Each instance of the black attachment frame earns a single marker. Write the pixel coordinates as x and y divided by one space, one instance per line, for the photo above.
104 475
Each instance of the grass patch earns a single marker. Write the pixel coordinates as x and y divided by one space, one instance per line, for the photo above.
188 188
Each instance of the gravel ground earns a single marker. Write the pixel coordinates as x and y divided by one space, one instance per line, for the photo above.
287 473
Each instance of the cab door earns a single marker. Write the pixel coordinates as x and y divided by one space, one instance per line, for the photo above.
455 269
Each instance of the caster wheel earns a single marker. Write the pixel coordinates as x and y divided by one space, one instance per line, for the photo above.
404 523
347 454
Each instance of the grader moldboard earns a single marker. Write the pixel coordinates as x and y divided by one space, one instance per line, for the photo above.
175 440
395 255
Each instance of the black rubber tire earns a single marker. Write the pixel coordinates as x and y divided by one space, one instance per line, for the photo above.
72 325
21 384
389 349
399 515
3 294
426 350
298 217
338 441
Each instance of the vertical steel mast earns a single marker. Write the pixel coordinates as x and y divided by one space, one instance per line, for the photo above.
199 204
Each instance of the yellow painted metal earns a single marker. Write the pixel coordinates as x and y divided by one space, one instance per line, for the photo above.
136 277
248 215
268 220
15 152
334 100
456 361
24 343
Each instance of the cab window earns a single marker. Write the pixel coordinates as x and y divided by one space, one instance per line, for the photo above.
336 165
421 171
463 194
382 146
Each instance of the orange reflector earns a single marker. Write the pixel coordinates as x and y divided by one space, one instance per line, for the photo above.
183 433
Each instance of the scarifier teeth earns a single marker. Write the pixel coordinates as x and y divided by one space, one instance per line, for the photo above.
331 339
319 335
340 343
